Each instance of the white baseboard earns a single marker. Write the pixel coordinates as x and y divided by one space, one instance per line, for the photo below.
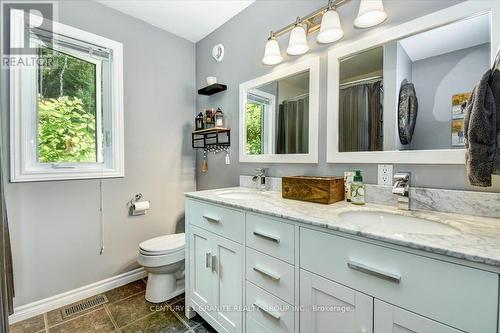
48 304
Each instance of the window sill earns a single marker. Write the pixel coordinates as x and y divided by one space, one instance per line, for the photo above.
52 175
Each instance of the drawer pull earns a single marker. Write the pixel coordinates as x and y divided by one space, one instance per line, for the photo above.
374 271
214 263
264 309
211 219
266 236
268 274
208 261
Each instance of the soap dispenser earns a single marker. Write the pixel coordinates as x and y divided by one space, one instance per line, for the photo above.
358 189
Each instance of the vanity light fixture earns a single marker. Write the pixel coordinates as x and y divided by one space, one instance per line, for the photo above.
371 13
331 30
326 20
272 53
297 44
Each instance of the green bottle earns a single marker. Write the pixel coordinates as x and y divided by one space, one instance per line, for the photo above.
358 189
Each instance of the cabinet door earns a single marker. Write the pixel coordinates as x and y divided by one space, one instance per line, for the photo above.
200 265
391 319
228 286
329 307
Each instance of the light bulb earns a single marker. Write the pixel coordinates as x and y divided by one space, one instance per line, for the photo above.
297 44
371 13
330 30
272 53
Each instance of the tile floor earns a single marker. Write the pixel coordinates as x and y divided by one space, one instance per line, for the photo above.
127 311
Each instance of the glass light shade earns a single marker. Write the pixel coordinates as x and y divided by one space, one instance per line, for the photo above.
272 54
371 13
297 44
330 30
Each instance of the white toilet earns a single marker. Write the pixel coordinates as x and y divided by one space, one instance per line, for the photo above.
163 258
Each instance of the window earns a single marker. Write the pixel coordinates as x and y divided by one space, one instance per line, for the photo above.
66 108
260 121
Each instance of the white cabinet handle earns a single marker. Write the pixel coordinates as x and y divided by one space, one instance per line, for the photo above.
264 309
374 271
266 273
214 263
267 236
211 219
208 262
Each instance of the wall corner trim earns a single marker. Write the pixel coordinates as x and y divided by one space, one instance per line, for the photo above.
51 303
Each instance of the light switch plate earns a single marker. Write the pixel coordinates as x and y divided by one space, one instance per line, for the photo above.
385 174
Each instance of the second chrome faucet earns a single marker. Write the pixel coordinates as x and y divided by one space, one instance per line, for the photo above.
401 189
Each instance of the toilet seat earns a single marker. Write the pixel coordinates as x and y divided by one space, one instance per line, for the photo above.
159 246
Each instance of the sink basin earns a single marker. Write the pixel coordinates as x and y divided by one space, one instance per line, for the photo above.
381 221
242 195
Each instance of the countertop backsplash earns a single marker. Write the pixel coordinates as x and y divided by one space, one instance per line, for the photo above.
440 200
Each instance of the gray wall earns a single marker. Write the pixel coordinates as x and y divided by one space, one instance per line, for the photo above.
436 80
397 67
244 38
54 225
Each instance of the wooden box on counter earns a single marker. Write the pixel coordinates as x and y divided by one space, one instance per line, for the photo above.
325 190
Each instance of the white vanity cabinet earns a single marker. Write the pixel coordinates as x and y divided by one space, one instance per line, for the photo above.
270 274
391 319
329 307
215 265
294 277
435 289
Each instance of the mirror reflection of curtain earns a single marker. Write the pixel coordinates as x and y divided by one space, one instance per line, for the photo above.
293 126
361 117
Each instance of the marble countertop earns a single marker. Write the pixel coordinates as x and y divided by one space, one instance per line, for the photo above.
477 239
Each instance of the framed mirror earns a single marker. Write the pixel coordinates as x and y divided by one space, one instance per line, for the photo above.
399 96
278 115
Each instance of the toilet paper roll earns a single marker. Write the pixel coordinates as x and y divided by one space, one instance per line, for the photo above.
140 206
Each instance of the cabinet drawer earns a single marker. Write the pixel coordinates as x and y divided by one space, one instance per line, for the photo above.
389 318
462 297
269 311
254 327
271 274
270 236
221 221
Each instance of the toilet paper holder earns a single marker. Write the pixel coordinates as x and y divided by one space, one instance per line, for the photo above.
137 207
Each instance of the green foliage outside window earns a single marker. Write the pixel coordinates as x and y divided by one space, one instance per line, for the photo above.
66 132
255 128
66 108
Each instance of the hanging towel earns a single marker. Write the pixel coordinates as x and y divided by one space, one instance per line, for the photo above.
480 133
495 88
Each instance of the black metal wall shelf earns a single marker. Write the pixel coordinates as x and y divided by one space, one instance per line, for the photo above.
211 138
212 89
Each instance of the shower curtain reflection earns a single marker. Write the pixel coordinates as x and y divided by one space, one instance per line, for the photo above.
293 126
361 117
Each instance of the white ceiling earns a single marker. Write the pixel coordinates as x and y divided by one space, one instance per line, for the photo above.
190 19
448 38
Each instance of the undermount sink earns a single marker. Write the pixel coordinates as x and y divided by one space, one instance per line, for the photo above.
381 221
242 195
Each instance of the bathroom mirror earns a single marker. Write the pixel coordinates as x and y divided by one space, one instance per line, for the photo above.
399 96
279 115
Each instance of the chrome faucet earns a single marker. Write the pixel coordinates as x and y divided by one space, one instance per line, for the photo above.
401 189
260 178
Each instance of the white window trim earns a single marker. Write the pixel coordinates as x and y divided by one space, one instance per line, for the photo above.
21 108
269 119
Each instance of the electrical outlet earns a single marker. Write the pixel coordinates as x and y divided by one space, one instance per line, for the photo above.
385 174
